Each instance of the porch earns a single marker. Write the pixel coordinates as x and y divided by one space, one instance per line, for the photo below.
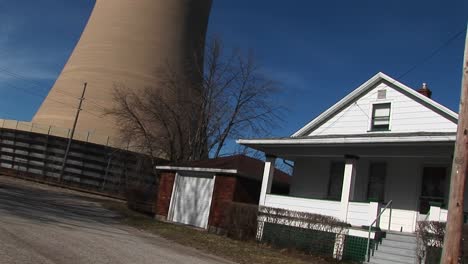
355 188
359 213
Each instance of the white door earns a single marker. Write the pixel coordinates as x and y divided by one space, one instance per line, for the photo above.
191 201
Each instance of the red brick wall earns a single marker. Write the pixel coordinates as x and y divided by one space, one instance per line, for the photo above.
223 192
166 183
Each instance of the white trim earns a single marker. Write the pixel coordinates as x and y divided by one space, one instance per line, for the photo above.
371 115
360 90
195 169
360 233
347 191
267 179
347 140
170 214
211 201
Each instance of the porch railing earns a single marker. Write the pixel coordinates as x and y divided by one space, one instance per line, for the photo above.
389 204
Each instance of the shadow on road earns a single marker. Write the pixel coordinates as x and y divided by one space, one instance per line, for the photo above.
49 205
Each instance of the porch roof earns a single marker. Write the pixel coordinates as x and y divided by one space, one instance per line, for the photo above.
418 144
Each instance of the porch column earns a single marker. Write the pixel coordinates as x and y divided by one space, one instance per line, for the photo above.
347 193
267 178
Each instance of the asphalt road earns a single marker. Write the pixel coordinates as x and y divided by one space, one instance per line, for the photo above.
43 224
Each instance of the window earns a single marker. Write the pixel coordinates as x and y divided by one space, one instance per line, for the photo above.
335 183
376 184
380 117
434 188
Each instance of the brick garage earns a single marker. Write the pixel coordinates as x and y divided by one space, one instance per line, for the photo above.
232 179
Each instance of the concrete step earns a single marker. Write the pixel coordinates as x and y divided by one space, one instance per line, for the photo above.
385 261
410 238
409 252
398 244
396 248
393 257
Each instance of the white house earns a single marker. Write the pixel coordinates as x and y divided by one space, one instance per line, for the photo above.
382 142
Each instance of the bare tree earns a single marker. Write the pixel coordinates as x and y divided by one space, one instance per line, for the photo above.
182 119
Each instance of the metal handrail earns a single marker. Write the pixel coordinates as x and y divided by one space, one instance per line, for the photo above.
375 220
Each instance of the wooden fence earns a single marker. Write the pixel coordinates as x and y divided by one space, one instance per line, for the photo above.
92 167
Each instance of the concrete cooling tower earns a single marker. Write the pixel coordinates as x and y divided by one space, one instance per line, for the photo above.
125 43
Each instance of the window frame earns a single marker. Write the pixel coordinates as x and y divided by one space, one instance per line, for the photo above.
371 117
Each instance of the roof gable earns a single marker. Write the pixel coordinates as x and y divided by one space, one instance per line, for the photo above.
411 111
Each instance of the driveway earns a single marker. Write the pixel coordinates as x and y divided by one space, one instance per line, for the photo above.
43 224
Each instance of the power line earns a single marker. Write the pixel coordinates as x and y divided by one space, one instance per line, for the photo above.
433 53
18 76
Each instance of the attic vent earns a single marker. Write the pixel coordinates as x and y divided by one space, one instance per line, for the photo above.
381 94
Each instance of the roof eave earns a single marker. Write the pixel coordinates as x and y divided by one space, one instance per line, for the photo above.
196 169
346 140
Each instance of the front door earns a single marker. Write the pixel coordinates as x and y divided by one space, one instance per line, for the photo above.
433 188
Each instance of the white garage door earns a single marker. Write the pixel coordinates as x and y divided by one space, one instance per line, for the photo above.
191 201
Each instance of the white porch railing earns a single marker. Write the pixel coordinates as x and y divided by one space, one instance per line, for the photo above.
443 215
436 214
401 220
359 214
316 206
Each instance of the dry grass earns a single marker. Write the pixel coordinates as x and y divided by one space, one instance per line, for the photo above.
237 251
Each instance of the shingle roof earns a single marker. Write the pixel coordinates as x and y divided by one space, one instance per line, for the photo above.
247 167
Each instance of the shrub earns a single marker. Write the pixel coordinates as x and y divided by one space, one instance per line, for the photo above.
240 221
302 219
310 233
430 238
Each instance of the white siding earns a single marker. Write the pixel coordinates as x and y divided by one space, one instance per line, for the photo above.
402 220
310 178
323 207
358 214
407 115
403 182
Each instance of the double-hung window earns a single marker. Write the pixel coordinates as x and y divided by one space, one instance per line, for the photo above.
380 117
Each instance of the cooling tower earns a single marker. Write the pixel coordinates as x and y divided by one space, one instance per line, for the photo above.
125 43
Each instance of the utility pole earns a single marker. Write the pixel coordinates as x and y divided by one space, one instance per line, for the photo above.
65 157
453 234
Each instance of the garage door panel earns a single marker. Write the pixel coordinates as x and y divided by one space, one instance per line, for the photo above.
192 199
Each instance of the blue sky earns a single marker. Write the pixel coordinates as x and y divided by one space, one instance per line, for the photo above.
318 50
